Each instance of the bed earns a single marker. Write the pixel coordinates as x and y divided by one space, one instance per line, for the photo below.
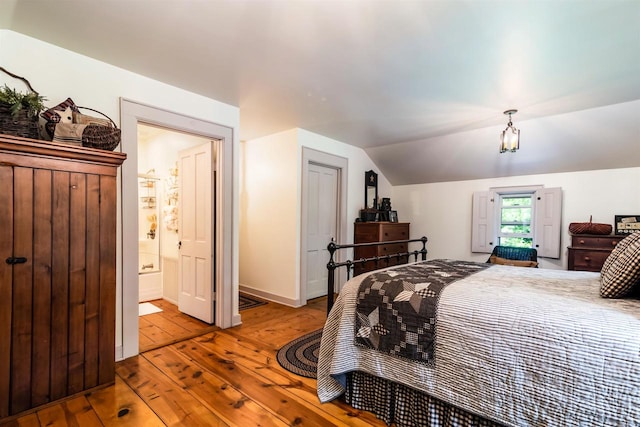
511 346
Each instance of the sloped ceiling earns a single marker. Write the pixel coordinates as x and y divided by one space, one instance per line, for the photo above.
421 86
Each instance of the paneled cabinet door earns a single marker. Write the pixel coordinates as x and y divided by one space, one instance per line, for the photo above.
6 285
57 284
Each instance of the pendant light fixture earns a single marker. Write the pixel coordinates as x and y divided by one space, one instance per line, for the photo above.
510 140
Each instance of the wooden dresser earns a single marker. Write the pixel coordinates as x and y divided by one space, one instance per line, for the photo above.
368 232
57 271
589 251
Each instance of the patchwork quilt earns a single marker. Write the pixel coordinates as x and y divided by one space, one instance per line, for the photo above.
396 309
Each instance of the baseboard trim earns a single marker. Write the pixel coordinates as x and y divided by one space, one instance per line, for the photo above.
269 296
236 320
170 300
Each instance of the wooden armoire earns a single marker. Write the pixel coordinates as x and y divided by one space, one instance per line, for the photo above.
57 271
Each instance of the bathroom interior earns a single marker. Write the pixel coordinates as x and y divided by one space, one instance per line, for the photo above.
158 201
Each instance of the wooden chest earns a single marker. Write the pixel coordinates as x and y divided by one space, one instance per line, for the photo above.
368 232
588 252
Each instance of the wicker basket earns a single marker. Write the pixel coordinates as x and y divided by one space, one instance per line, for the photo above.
94 135
102 137
21 124
590 228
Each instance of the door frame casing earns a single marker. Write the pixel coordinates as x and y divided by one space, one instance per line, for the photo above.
132 113
341 164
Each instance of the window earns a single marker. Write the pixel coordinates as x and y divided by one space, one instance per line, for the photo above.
514 228
517 216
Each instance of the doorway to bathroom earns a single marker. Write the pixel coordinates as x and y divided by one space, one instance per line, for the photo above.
161 183
140 178
175 239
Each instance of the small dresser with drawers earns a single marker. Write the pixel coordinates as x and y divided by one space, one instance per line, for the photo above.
588 252
369 232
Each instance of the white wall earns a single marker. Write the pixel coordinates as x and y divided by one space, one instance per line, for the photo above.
268 214
58 74
270 207
442 211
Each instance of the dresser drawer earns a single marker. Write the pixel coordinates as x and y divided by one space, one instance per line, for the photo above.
366 233
390 232
587 259
591 241
392 249
369 232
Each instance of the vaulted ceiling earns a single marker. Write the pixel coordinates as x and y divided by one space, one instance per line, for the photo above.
420 85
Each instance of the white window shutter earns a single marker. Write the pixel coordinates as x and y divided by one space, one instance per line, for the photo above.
548 216
482 224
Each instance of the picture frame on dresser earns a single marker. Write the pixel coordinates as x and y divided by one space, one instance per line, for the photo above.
393 216
626 224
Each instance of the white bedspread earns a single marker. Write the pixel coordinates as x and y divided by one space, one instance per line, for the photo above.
521 346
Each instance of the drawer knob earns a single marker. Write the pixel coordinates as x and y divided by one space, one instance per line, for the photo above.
614 243
587 259
581 242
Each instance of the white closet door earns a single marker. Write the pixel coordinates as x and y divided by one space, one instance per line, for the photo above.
322 202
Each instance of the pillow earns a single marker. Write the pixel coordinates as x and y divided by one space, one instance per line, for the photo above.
619 248
83 119
623 272
69 133
504 261
51 115
55 115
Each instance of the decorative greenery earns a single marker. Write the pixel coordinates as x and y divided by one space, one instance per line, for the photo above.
31 102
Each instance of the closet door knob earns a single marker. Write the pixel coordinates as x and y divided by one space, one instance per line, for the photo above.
16 260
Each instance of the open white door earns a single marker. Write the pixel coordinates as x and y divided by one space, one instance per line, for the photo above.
195 260
322 224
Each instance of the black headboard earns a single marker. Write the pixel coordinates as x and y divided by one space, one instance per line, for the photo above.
380 261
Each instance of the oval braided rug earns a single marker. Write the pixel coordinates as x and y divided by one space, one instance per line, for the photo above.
300 356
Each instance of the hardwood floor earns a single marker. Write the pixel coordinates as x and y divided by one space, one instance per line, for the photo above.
218 378
167 327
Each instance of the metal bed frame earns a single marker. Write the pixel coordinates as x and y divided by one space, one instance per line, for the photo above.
380 261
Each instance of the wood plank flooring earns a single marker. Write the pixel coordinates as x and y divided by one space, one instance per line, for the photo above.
168 326
213 378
